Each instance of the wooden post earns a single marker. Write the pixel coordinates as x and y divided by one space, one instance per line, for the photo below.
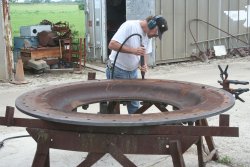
91 76
3 55
91 159
41 158
6 54
200 152
210 141
176 153
119 156
9 115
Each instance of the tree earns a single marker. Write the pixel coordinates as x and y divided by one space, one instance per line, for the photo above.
12 1
27 1
68 1
81 6
36 1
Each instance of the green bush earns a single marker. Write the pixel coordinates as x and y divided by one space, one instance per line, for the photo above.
81 6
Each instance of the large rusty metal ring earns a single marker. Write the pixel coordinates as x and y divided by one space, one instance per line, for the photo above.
56 103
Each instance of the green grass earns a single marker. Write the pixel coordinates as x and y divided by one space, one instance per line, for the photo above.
225 160
33 14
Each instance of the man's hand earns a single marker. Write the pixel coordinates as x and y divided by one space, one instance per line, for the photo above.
140 51
143 68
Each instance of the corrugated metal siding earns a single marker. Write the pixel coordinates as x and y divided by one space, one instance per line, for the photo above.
177 42
139 9
95 24
89 29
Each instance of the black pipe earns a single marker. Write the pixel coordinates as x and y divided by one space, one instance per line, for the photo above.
119 50
142 64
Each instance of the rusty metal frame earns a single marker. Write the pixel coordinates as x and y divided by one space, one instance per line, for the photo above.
171 140
98 138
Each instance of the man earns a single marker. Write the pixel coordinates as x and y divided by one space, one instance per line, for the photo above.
136 46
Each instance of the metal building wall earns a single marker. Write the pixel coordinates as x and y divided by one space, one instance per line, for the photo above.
139 10
95 21
178 44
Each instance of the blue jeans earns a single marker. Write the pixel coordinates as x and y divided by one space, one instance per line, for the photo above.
132 106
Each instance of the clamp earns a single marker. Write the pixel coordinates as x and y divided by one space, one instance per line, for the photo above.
225 83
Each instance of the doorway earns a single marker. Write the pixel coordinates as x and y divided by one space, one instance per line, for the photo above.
116 15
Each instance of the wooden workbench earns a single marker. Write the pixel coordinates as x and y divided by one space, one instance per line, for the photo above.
41 53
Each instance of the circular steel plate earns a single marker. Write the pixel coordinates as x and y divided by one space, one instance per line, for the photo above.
55 103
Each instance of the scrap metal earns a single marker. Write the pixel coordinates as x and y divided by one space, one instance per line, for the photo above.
60 126
194 102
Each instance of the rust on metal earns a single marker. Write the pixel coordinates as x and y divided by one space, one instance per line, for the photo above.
56 103
203 129
60 126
